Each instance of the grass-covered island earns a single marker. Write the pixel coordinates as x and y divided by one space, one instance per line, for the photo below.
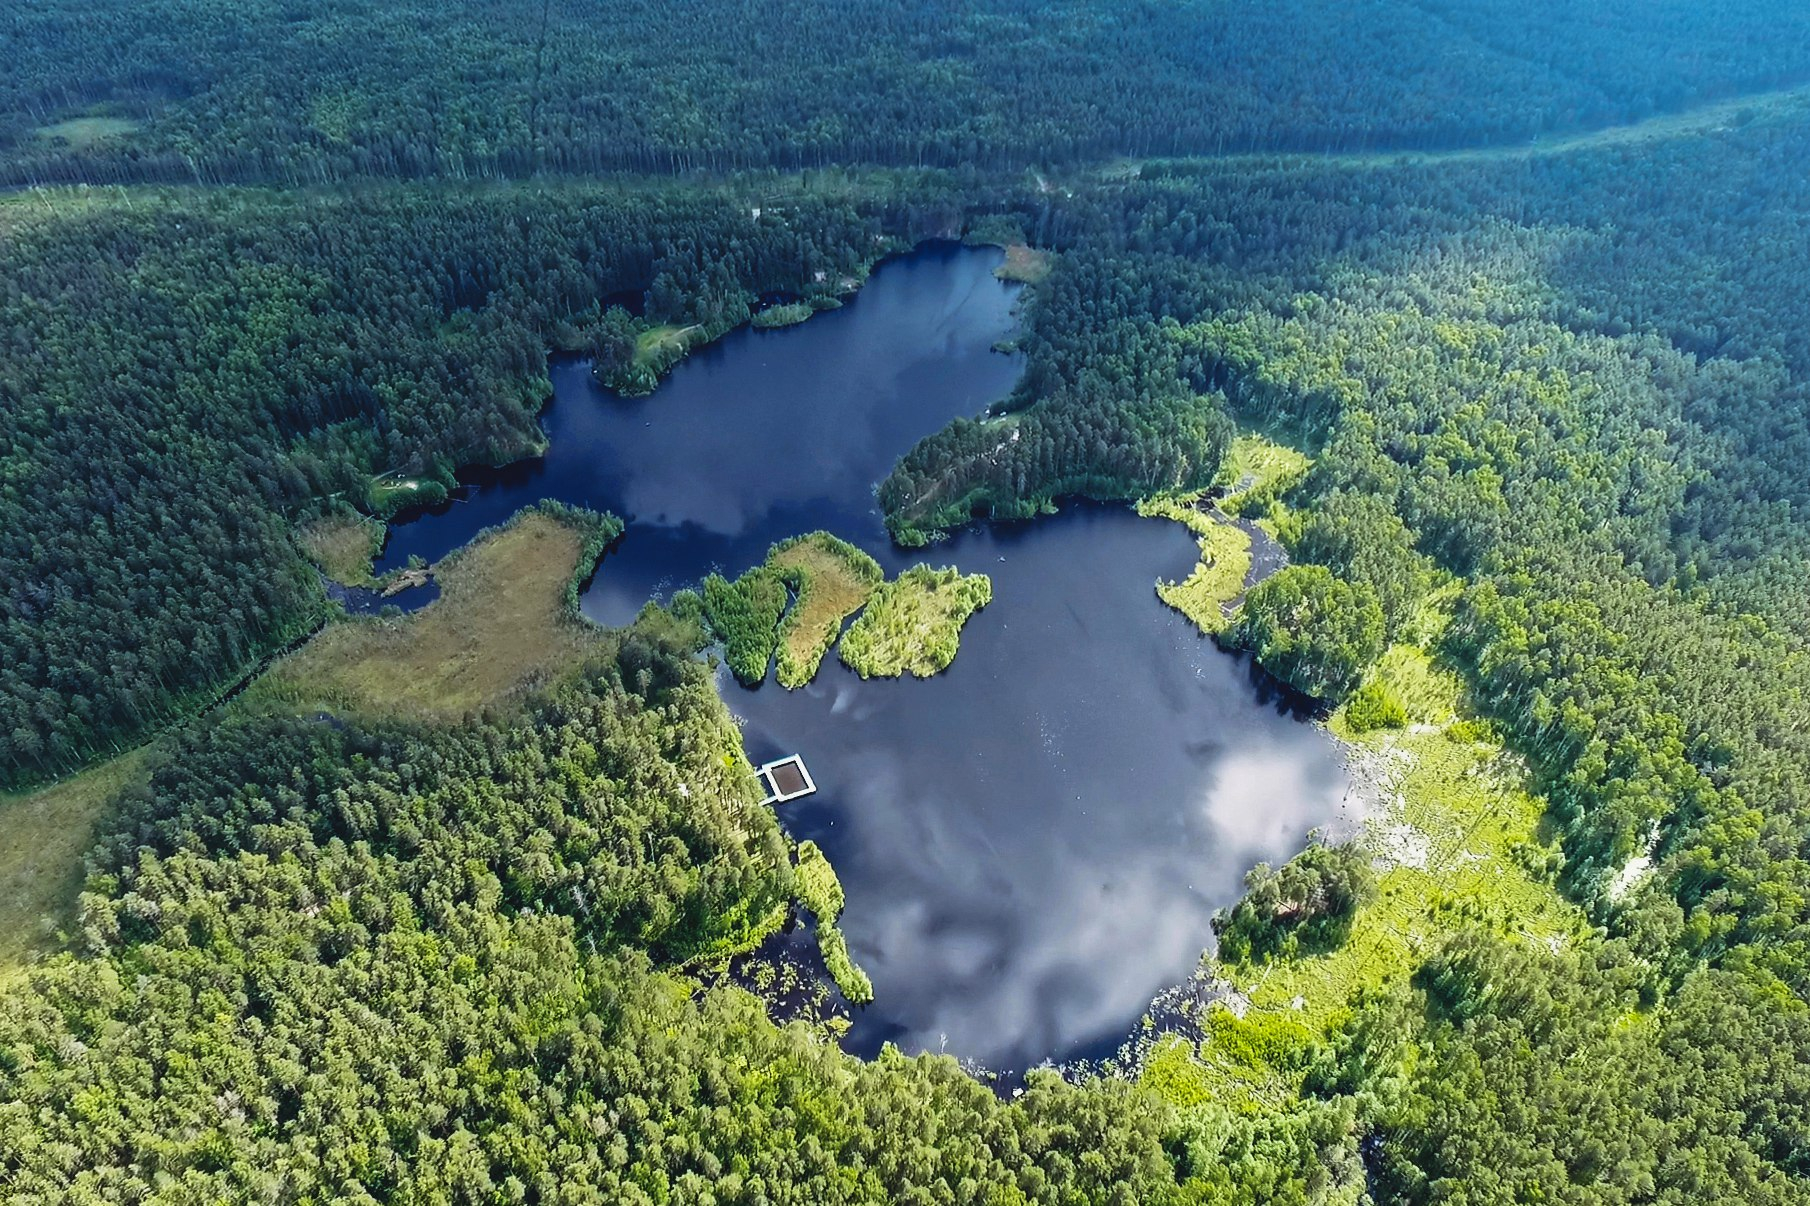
833 580
791 605
913 624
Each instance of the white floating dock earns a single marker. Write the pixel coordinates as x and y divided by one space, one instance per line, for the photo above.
786 779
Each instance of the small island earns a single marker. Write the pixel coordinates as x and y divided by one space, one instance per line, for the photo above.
913 624
833 579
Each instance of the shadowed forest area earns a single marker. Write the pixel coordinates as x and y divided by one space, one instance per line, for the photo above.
1543 417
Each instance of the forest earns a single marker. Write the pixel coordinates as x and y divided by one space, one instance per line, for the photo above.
288 256
297 94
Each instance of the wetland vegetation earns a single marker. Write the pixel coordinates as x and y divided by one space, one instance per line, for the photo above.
913 624
832 579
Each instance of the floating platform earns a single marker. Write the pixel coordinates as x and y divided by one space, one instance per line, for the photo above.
786 779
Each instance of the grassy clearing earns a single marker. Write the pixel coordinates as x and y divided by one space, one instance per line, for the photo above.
1708 118
913 624
1024 264
84 133
658 348
343 545
43 835
1258 471
502 626
1225 560
1454 831
834 579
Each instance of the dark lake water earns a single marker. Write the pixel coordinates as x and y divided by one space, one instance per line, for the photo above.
1031 843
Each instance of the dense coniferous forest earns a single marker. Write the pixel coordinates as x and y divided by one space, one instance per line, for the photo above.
298 93
364 958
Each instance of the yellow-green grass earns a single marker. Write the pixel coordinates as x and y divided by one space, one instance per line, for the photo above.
834 580
661 345
913 624
499 628
343 545
1454 830
81 133
1024 263
43 835
1258 469
1225 561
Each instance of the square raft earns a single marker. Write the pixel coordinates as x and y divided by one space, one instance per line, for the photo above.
786 779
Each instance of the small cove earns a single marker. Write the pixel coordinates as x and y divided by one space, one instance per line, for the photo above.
1031 843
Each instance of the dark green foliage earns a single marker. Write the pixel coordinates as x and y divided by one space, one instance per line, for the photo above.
301 93
745 616
1360 538
1101 412
377 963
1311 629
1303 906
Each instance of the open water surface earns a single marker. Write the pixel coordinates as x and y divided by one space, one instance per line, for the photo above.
1033 842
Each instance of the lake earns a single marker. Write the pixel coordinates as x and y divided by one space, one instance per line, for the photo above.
1032 843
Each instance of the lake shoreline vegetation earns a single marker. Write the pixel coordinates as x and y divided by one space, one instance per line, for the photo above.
383 930
912 624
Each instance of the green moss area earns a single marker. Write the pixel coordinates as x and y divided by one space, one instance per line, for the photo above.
1207 595
388 494
744 615
1258 471
1024 264
913 624
757 618
343 545
821 892
1453 827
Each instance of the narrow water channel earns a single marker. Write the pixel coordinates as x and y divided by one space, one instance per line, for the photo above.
1032 843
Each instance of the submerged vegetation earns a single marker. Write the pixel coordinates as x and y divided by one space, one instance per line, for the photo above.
913 624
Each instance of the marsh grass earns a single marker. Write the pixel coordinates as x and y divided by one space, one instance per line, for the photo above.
1454 829
834 579
1206 596
43 836
1257 472
501 626
1024 264
344 545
